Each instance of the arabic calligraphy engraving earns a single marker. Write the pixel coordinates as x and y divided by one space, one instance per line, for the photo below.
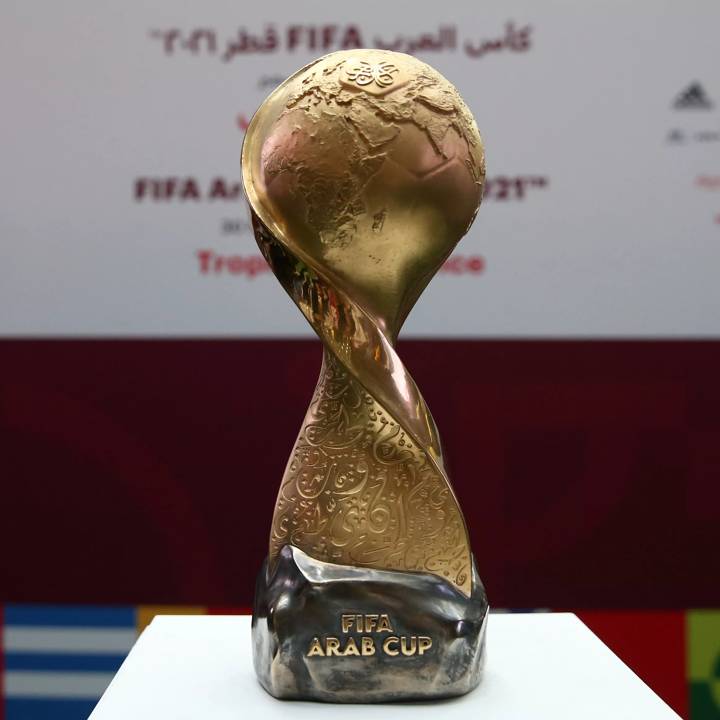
363 73
358 491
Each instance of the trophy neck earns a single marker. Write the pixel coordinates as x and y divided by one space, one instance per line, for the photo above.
360 339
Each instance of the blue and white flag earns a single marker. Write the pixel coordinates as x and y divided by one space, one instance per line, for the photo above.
59 660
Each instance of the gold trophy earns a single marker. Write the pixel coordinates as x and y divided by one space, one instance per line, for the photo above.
363 170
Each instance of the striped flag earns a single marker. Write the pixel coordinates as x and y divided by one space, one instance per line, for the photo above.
59 660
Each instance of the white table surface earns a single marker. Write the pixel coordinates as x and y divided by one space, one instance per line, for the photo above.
540 666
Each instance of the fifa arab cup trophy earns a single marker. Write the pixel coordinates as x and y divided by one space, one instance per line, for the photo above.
363 170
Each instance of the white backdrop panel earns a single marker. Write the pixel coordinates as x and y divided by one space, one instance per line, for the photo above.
122 123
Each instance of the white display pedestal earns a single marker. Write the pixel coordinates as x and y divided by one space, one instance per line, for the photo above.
539 667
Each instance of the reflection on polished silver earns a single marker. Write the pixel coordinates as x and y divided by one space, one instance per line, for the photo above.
363 171
338 633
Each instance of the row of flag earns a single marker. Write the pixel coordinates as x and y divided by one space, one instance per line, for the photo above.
56 661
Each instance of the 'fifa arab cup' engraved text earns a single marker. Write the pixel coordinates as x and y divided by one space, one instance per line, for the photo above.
378 637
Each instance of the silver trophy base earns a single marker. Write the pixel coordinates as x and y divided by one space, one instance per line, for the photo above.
337 633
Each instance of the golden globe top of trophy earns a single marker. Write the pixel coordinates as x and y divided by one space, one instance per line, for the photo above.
363 170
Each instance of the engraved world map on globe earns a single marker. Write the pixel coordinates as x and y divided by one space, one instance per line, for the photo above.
407 127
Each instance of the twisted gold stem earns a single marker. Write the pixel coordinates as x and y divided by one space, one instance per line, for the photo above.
365 484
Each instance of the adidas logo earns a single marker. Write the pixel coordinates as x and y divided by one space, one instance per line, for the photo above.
693 97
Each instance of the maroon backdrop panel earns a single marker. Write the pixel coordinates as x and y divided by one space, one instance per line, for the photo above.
653 644
146 471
